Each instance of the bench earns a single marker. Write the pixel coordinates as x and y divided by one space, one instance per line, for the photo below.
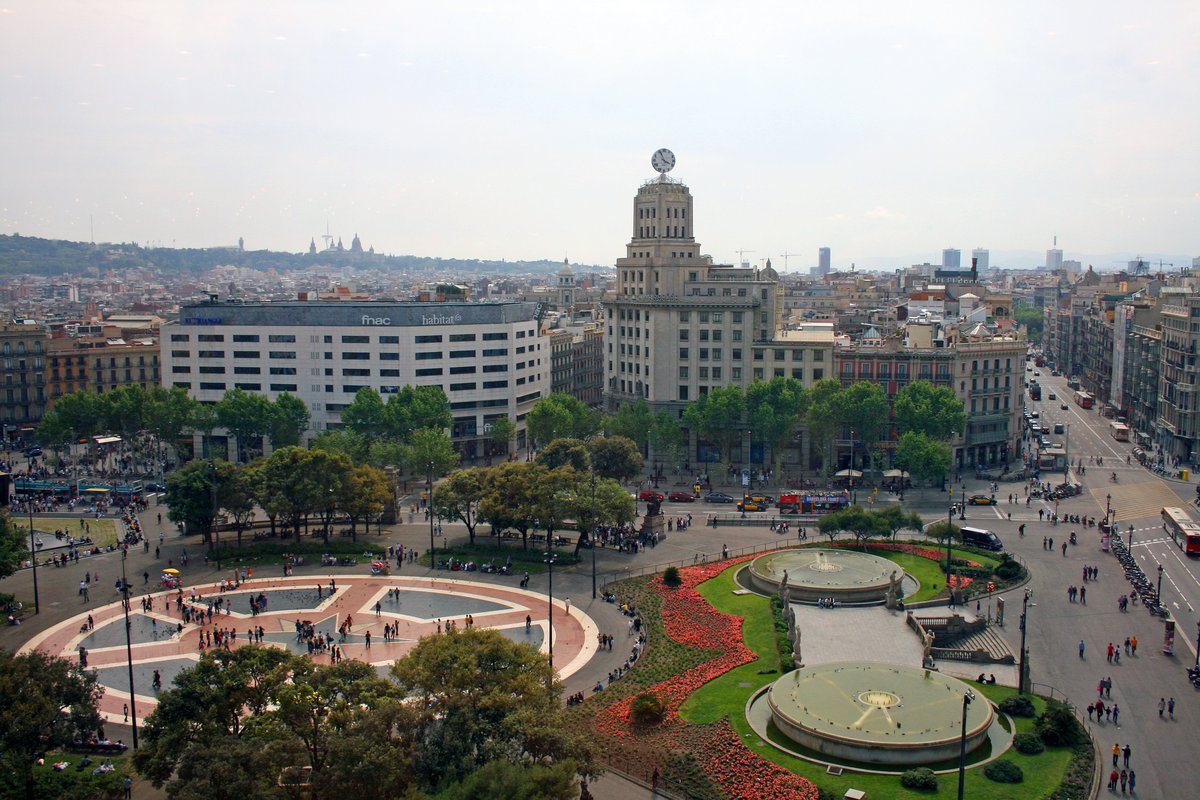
854 794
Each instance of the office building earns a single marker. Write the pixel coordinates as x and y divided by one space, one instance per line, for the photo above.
824 261
981 258
490 359
952 258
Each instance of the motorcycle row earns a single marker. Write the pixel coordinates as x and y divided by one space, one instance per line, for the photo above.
1142 587
1059 492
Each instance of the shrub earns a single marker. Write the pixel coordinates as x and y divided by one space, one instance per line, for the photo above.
1019 705
1057 725
922 779
647 708
1029 744
1010 570
671 577
1003 771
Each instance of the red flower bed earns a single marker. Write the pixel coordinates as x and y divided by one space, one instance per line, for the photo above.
689 619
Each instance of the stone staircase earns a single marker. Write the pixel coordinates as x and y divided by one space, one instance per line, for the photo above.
956 639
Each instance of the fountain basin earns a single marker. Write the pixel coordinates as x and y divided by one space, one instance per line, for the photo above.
814 573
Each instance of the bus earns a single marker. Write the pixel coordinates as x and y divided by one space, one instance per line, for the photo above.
1035 391
1183 530
793 502
1084 400
1119 431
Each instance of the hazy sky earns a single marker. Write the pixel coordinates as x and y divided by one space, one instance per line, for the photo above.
522 130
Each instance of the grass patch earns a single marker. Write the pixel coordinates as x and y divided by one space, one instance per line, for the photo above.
103 531
726 696
928 573
526 560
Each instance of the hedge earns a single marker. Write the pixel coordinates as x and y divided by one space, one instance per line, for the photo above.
1003 771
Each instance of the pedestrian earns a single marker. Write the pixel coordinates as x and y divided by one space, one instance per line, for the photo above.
1116 712
1090 709
378 607
568 605
1064 549
1133 645
1081 646
1162 705
1108 687
1171 708
1124 780
126 710
1110 652
128 787
1083 595
1116 753
1043 538
1125 752
1112 780
1132 781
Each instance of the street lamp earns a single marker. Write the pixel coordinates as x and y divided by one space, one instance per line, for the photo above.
1021 675
214 534
37 606
429 501
1107 508
949 539
128 646
962 743
1159 590
549 559
593 534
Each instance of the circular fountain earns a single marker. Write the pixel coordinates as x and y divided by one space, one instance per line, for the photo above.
814 573
877 713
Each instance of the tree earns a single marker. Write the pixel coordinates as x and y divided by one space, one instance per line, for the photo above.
863 408
633 421
238 495
46 702
1032 318
125 409
773 409
666 437
615 457
247 416
346 442
923 458
294 483
366 416
504 780
718 417
898 519
604 502
289 420
565 453
501 433
932 410
465 722
74 416
458 497
513 495
190 495
366 493
560 416
821 419
860 523
416 408
430 448
170 412
14 545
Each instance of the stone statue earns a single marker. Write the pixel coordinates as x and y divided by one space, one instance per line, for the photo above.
797 658
653 507
783 588
926 657
893 592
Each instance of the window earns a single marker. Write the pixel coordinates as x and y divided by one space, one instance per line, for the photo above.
495 351
462 337
281 338
818 355
462 353
356 373
736 373
178 370
683 390
389 340
245 337
211 337
683 373
704 335
495 367
462 370
246 354
737 336
211 353
716 354
737 317
758 355
174 354
182 385
818 374
389 356
212 370
287 355
247 370
683 354
737 354
495 384
429 339
389 373
684 315
356 340
758 373
249 387
216 387
495 337
181 337
284 387
356 356
683 334
428 371
716 336
798 374
462 387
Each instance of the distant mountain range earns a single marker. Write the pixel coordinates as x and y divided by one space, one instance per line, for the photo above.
31 255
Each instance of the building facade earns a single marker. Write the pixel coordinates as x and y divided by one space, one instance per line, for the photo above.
490 359
24 396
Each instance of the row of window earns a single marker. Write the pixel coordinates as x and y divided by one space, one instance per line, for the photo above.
290 338
346 388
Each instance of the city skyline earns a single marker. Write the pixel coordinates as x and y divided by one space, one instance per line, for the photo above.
886 134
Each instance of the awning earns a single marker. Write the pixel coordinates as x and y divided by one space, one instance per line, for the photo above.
96 491
895 473
848 473
106 439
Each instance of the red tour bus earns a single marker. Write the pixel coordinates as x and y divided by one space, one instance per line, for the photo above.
1084 400
1183 530
812 502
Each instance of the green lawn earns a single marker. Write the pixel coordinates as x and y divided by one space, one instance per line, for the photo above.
103 531
727 696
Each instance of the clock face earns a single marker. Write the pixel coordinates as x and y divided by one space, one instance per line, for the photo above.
663 160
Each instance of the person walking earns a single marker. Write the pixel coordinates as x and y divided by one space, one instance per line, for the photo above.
1162 706
1124 780
1116 712
1171 708
1125 753
1116 753
1081 648
1132 781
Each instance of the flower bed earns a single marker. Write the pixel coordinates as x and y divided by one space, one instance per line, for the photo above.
688 619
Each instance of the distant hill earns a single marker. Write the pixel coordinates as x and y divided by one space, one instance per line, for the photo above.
31 255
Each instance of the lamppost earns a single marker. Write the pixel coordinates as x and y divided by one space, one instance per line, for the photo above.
1159 590
128 646
1131 536
962 743
949 539
1107 508
549 559
1021 675
593 534
214 534
37 606
429 501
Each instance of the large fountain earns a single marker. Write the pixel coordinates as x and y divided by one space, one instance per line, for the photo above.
811 574
871 713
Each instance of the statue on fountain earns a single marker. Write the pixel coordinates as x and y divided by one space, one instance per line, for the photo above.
927 644
783 588
893 593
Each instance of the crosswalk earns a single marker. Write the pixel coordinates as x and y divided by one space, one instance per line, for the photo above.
1136 500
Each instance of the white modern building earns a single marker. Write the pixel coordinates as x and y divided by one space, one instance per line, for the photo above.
981 258
489 358
952 258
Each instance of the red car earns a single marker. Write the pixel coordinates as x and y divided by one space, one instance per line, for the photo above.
650 494
681 497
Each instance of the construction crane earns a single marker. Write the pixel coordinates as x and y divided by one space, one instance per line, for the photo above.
1141 266
742 256
785 256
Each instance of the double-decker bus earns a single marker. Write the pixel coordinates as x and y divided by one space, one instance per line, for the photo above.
812 503
1119 431
1084 400
1183 530
1035 391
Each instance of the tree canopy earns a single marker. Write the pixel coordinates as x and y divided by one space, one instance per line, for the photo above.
924 458
14 545
718 417
561 416
932 410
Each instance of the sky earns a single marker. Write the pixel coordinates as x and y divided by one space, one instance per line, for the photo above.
885 131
